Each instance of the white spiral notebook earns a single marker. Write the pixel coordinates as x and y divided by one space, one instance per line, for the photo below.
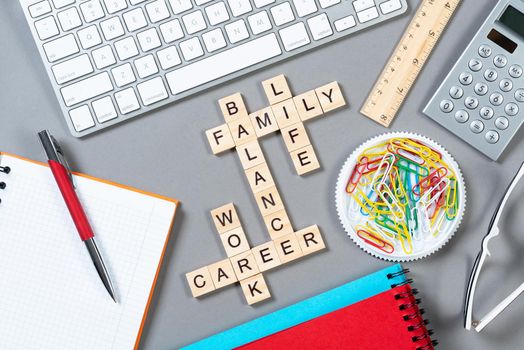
50 294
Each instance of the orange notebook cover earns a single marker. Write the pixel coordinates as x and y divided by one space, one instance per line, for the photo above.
51 293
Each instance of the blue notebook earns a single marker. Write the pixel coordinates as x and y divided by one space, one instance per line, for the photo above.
303 311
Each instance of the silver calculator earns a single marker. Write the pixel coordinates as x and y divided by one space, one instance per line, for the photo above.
482 98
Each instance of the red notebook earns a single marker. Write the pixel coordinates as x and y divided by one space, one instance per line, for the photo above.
389 320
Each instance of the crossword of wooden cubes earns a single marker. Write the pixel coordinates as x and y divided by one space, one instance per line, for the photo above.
242 131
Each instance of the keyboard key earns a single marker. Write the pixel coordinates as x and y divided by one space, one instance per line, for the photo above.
135 19
217 13
476 126
492 136
194 22
259 22
511 109
361 5
146 66
223 63
86 89
500 61
62 3
484 51
152 91
319 26
465 78
59 48
74 68
239 7
81 118
294 36
168 57
69 19
262 3
345 23
127 101
39 9
328 3
103 57
126 48
123 75
114 6
157 10
135 2
515 71
91 10
46 28
367 15
148 39
191 49
446 106
496 99
236 31
456 92
475 65
481 89
282 14
171 31
490 75
112 28
502 123
214 40
506 85
390 6
519 95
305 7
461 116
104 109
471 102
179 6
89 37
486 113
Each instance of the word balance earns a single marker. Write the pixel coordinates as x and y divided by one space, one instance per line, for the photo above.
242 131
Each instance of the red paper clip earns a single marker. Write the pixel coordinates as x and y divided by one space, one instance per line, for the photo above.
384 246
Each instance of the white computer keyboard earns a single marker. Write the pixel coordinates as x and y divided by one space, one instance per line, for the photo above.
111 60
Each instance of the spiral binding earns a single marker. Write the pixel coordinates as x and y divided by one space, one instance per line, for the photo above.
410 302
5 170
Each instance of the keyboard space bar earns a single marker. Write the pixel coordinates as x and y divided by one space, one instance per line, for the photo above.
224 63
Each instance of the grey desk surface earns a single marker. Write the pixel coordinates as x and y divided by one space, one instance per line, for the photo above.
166 152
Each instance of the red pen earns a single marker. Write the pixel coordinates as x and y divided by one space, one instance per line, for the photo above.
65 183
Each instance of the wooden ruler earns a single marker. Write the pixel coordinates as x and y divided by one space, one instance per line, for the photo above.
407 60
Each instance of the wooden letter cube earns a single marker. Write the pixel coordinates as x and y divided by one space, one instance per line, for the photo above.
266 256
295 137
269 201
222 273
255 289
259 177
220 139
288 248
310 240
200 282
242 130
234 241
244 265
308 106
330 97
305 160
264 122
285 113
278 224
233 107
250 154
276 89
225 218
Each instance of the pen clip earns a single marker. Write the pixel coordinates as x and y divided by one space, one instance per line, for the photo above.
63 159
54 152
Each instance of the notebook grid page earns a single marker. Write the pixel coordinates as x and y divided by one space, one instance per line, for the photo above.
51 295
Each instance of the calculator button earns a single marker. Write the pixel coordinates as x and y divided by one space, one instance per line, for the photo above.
446 106
511 109
475 65
490 75
496 99
500 61
466 78
519 95
484 51
476 126
471 102
486 113
481 89
457 92
515 71
461 116
506 85
502 123
492 136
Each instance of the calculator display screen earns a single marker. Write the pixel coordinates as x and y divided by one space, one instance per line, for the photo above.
502 40
514 20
